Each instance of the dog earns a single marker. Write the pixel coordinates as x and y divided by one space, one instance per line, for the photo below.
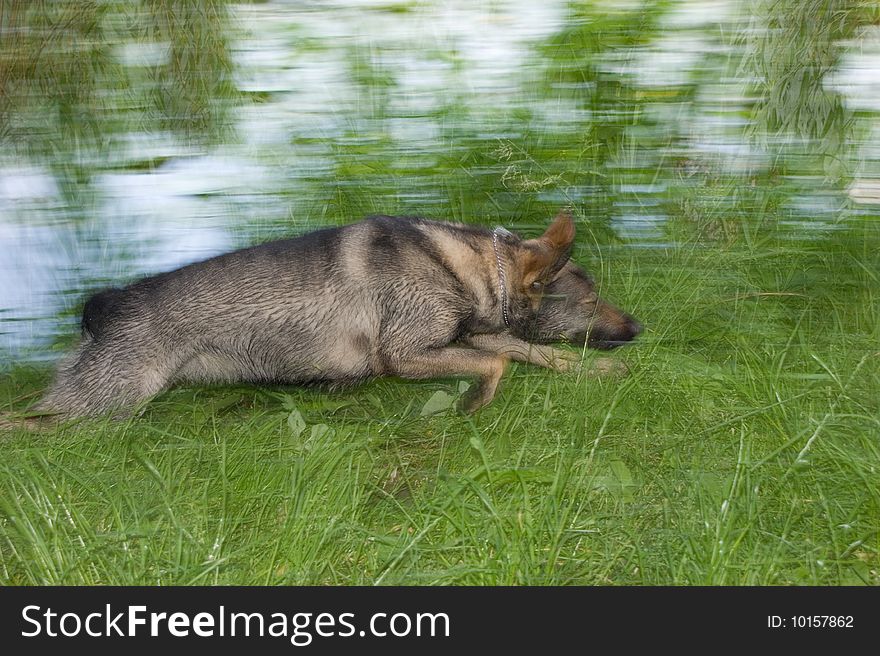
387 296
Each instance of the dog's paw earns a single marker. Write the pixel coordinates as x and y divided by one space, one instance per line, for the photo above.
607 367
566 361
478 396
472 400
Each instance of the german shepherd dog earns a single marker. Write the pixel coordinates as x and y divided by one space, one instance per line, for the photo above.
387 296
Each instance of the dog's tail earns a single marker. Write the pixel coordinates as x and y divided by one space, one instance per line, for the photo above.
99 311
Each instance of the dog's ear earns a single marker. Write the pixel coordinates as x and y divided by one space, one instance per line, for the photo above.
544 256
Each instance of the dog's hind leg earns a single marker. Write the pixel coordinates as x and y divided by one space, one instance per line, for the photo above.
105 375
452 361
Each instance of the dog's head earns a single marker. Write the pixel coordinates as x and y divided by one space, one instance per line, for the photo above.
551 299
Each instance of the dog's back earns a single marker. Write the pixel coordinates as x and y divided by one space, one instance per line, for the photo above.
356 278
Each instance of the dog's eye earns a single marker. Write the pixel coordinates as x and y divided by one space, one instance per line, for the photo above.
537 286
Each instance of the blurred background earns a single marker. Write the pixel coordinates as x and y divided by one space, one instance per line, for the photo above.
140 135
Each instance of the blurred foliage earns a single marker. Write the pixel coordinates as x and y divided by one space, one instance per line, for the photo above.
812 136
54 59
64 85
196 77
79 78
586 63
793 46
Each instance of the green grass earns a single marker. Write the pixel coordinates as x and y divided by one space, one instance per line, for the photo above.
744 448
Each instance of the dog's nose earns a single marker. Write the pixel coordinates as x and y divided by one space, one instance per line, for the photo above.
633 327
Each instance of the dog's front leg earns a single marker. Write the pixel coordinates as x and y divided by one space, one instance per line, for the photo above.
521 351
451 361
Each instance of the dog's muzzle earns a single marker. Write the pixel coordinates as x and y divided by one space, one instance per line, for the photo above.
603 338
